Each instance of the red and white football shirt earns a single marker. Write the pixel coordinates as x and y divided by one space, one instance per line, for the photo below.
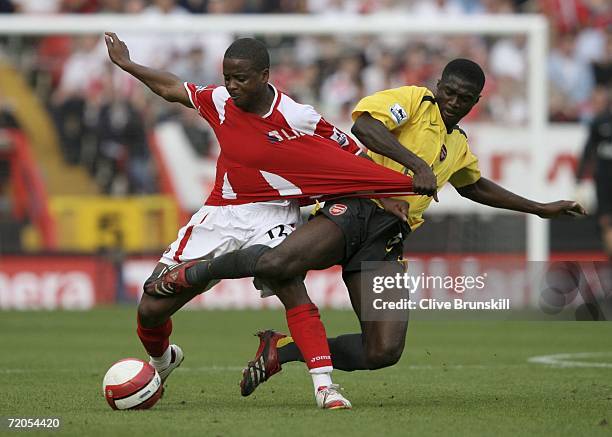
290 152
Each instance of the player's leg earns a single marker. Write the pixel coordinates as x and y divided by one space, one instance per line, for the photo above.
382 340
201 237
308 337
380 343
302 316
155 326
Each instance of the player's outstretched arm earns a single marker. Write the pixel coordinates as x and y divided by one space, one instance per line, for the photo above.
162 83
376 137
489 193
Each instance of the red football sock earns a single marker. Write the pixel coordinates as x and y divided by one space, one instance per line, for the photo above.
308 333
155 340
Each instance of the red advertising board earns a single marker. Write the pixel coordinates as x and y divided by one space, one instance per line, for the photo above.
56 282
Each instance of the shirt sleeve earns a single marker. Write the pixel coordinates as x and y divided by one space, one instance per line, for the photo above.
328 130
392 107
201 99
468 171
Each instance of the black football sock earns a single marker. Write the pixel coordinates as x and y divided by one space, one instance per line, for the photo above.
346 351
237 264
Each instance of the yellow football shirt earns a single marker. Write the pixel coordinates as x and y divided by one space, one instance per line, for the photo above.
412 115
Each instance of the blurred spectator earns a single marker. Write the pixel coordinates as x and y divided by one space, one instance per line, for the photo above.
198 133
602 68
437 8
507 58
416 68
112 6
333 7
497 6
342 89
278 6
597 156
565 15
123 161
165 7
379 74
194 6
571 77
508 103
590 44
82 73
193 67
306 86
37 6
78 6
6 7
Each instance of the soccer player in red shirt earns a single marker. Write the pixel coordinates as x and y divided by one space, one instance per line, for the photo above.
269 146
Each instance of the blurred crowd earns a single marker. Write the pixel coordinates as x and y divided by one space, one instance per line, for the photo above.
104 116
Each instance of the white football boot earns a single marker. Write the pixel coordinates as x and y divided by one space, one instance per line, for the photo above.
176 359
330 398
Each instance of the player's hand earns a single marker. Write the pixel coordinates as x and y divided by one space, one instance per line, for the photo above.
424 182
561 208
398 208
117 50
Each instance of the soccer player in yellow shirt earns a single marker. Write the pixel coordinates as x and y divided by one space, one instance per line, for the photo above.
408 129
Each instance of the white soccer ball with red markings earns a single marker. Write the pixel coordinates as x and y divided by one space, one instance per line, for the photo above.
132 384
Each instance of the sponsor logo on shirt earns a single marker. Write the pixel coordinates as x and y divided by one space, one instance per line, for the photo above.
398 113
340 137
276 136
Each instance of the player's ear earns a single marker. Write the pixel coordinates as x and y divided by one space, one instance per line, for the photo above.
477 99
438 84
265 75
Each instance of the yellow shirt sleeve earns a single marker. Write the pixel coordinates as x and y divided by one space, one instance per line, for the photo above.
468 171
392 107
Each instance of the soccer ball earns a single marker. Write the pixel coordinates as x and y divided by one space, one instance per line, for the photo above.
132 384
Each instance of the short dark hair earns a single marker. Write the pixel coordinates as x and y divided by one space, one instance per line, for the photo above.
249 49
465 69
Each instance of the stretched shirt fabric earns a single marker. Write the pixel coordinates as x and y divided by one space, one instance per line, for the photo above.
412 115
290 152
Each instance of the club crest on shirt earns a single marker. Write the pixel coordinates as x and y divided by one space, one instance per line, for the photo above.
398 113
337 209
443 153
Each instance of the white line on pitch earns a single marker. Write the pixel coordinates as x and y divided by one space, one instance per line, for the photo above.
567 359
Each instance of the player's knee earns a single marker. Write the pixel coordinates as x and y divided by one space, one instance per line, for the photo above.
384 355
150 312
292 293
274 265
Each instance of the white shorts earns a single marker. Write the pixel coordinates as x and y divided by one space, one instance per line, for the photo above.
217 230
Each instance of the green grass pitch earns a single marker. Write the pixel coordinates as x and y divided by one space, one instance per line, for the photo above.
455 378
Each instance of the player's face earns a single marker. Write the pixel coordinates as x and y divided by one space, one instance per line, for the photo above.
455 97
244 83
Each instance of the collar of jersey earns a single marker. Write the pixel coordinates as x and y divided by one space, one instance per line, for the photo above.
267 114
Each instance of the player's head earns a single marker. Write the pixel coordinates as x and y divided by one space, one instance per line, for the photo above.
459 89
246 69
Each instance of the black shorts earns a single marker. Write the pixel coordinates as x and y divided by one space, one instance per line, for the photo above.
371 234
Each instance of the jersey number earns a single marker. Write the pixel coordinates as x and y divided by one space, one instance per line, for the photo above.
277 232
